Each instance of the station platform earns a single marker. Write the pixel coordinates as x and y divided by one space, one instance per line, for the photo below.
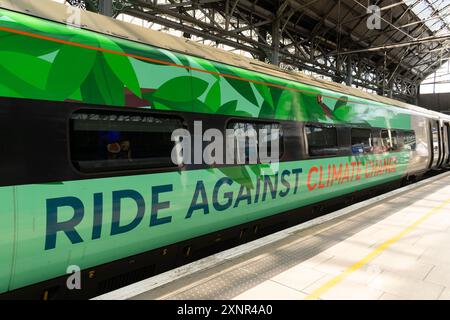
394 246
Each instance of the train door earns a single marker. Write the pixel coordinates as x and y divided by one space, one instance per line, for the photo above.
434 133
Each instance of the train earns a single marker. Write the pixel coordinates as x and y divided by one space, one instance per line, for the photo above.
87 181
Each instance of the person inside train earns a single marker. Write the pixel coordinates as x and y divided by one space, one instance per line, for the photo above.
119 150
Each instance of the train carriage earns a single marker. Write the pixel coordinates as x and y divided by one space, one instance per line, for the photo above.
87 179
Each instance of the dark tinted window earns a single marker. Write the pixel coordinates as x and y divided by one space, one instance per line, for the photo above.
105 141
361 141
322 140
252 134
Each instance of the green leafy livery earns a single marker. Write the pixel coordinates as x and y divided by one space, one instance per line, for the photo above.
74 192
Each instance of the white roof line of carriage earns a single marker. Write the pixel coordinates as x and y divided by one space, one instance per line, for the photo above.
99 23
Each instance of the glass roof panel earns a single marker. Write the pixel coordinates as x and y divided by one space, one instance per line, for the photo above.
435 14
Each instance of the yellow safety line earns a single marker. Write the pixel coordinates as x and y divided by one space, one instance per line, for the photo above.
333 282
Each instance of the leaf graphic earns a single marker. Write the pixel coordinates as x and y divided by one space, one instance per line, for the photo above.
310 107
199 86
214 96
32 46
291 106
31 70
256 170
184 60
120 65
208 66
239 175
89 91
244 88
172 58
344 113
8 92
76 95
148 96
266 111
275 94
264 91
199 106
183 89
108 85
67 74
176 90
162 104
229 108
155 56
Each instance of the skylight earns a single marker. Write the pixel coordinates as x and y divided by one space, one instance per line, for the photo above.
435 14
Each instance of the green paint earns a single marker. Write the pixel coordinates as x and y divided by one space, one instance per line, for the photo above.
170 87
40 69
34 264
7 212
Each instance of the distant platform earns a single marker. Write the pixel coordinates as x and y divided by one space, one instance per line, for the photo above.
394 246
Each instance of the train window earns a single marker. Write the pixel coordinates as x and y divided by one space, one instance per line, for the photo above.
386 140
396 143
377 143
435 135
409 140
361 141
397 140
251 137
108 141
322 140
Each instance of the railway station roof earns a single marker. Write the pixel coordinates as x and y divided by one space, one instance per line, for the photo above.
331 39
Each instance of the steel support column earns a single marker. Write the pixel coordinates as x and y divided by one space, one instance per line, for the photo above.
349 78
105 7
276 41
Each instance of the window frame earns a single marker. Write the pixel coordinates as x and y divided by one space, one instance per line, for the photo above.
403 134
124 170
370 141
322 125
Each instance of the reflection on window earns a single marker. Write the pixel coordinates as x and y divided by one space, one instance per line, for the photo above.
435 135
361 141
256 142
396 140
105 141
409 140
322 140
